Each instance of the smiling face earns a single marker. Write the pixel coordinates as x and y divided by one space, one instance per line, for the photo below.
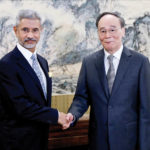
110 33
28 33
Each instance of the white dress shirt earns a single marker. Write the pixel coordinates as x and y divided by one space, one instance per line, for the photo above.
27 54
116 60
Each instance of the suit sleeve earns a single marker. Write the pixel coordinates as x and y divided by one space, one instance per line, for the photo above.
81 99
144 120
18 102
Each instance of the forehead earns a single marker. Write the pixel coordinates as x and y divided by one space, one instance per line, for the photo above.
30 23
109 21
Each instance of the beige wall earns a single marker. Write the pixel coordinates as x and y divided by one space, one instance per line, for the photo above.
62 103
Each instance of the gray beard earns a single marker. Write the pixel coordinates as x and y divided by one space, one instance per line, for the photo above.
29 45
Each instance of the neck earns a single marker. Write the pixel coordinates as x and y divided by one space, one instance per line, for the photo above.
31 50
112 51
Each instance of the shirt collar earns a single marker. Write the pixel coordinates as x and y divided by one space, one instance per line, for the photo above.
25 52
117 54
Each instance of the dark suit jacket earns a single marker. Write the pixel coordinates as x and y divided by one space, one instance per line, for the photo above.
120 121
25 114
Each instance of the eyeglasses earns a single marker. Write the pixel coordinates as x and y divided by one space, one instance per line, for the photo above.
110 31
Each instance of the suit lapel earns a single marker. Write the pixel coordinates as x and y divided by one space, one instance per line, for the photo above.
122 69
101 71
43 66
23 63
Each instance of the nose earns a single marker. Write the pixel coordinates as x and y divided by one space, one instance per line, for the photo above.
30 35
107 34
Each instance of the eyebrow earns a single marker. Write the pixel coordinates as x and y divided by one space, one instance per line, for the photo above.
112 26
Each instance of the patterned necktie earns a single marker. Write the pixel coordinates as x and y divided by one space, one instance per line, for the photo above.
110 73
36 68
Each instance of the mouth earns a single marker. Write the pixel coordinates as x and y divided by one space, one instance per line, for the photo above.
30 41
108 42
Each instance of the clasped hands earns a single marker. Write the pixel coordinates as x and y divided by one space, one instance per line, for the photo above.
65 120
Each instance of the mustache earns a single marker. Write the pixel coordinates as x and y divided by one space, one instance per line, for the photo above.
29 39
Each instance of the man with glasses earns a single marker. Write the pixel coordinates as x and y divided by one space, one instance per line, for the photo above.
115 83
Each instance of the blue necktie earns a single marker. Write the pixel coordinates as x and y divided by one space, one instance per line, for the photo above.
110 73
36 68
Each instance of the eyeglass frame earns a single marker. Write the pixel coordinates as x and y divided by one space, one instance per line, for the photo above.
111 31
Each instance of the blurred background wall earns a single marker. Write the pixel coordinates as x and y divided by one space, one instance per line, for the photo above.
70 33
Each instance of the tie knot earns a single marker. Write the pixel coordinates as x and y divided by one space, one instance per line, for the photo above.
110 58
33 57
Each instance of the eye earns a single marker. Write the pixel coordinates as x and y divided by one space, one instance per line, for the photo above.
25 29
35 30
103 31
112 30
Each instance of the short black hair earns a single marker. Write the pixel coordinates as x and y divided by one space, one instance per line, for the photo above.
116 14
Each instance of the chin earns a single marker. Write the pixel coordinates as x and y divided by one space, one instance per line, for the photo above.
30 46
108 48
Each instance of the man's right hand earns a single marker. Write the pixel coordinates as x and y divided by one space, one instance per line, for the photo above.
65 120
69 118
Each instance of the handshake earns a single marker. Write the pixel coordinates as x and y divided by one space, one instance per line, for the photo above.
65 120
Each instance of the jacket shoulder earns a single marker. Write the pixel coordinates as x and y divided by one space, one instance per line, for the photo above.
136 54
94 56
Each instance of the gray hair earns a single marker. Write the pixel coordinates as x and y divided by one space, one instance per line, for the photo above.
28 14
